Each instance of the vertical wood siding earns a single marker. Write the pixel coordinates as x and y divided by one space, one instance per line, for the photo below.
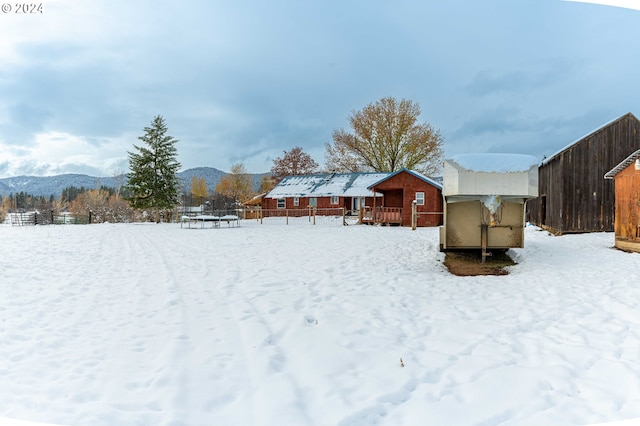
573 194
627 187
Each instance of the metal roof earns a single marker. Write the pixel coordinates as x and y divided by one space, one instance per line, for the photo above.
326 185
623 165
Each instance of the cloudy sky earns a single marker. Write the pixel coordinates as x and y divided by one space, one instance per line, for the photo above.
240 81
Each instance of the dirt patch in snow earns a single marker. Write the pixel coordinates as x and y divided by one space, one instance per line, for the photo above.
469 263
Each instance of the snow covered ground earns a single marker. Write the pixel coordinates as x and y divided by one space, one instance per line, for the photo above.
146 324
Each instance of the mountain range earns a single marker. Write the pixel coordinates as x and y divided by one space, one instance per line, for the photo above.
53 185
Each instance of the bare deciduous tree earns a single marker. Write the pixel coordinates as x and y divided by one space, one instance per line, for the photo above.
267 183
293 163
386 137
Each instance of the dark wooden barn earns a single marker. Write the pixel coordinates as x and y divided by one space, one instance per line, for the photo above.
573 194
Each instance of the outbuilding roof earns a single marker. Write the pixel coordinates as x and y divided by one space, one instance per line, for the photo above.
623 165
411 172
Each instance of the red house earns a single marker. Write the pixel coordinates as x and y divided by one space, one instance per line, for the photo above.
380 197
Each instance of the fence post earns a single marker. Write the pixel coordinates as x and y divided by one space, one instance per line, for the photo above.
286 213
260 215
344 216
314 215
414 215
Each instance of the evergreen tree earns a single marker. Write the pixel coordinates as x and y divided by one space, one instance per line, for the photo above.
153 181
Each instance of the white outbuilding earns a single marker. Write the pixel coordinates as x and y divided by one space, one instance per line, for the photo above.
484 200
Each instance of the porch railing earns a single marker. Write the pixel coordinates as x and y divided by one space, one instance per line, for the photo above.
384 215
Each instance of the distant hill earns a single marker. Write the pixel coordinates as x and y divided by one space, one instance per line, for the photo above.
211 176
53 185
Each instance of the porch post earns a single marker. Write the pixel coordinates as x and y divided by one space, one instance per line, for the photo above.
414 215
374 211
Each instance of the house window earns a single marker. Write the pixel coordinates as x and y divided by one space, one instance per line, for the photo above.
296 201
282 203
420 198
335 200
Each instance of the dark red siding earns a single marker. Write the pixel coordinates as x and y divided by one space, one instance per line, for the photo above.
400 190
322 203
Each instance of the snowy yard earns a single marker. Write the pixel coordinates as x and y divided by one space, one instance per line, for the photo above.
146 324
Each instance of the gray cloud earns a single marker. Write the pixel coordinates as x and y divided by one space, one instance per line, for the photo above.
241 81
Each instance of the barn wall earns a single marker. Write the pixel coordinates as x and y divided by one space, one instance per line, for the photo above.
549 197
573 194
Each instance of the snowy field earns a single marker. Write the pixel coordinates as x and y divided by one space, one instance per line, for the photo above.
146 324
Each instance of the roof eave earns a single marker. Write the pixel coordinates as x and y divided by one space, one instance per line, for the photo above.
611 174
593 132
412 173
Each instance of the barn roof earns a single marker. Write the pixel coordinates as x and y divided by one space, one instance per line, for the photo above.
326 185
411 172
623 165
599 129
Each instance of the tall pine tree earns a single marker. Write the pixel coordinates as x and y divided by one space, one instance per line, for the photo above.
153 181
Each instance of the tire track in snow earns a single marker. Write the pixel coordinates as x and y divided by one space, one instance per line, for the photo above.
260 346
175 354
209 308
145 354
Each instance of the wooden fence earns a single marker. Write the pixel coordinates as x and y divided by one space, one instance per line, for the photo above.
32 218
309 215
